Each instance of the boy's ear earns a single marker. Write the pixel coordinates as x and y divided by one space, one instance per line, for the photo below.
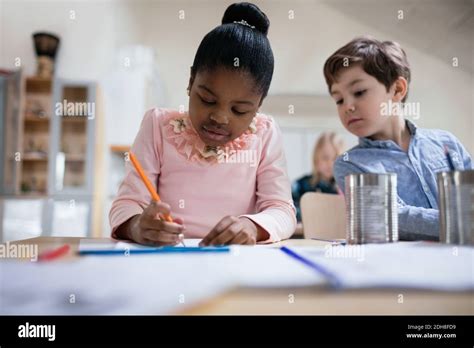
400 89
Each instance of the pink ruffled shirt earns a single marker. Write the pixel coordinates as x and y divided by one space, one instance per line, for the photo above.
246 177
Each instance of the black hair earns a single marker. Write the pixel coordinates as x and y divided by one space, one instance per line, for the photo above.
246 40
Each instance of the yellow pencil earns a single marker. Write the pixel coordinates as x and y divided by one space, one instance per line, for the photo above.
147 182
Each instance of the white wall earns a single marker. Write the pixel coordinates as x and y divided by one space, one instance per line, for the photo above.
90 42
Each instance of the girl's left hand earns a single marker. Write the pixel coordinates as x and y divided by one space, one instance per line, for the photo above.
232 230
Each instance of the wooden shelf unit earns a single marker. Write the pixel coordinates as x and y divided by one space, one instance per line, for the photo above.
50 155
35 129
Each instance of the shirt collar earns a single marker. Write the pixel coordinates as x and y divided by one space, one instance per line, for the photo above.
387 144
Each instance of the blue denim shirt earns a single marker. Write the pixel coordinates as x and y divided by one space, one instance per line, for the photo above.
416 170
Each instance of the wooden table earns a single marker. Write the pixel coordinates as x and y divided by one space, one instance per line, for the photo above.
309 301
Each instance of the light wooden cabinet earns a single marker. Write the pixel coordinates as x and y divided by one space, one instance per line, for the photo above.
73 138
48 153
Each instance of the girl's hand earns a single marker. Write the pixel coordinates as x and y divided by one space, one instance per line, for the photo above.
232 230
147 228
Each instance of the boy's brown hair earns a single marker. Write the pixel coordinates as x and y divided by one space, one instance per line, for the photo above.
386 61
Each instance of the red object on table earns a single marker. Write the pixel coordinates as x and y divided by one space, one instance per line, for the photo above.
55 253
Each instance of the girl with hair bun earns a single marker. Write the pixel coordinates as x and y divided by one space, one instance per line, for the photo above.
219 167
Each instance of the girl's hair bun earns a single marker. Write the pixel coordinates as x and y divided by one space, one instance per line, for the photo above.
250 13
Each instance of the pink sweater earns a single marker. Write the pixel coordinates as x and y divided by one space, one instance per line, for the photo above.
202 185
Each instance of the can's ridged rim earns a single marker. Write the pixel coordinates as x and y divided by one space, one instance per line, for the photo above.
459 176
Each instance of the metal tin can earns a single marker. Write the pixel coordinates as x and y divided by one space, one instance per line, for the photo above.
371 208
456 207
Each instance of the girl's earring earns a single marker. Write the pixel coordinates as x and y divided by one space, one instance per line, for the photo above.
187 91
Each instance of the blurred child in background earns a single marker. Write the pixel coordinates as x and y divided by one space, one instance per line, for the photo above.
327 148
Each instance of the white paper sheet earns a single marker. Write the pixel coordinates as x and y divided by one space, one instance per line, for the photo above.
251 266
142 284
191 242
166 283
91 244
265 267
397 265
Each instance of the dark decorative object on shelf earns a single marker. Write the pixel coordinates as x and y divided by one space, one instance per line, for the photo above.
46 46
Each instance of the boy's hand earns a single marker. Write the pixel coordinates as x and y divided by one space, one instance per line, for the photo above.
232 230
147 228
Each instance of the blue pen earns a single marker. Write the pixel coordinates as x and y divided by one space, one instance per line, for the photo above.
161 250
330 277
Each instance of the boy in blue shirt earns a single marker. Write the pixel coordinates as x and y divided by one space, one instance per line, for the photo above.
368 79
